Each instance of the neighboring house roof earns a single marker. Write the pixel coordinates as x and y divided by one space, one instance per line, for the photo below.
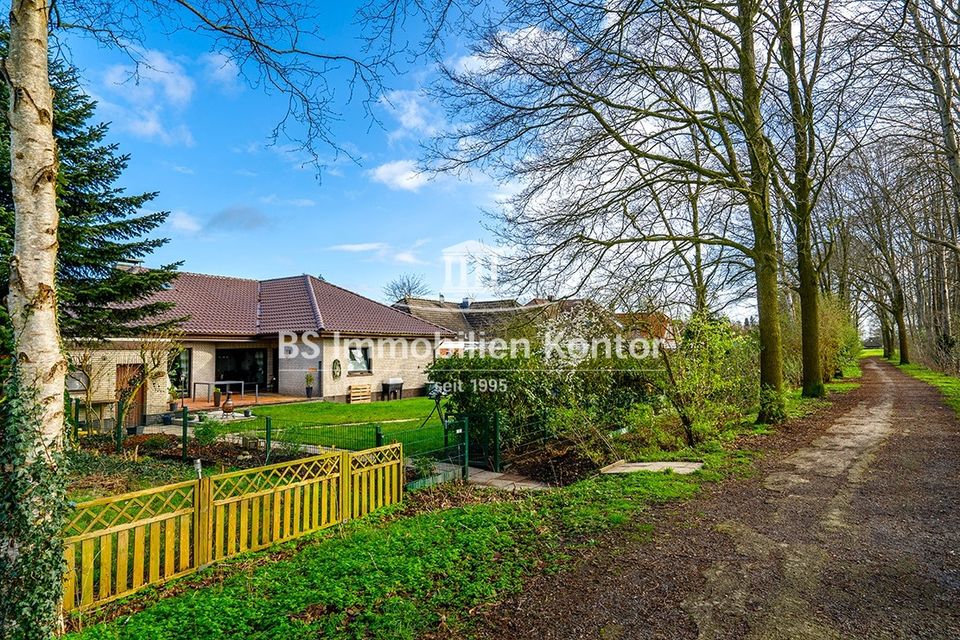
220 305
482 318
648 325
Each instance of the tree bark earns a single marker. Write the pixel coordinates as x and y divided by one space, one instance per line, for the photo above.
766 260
32 300
902 337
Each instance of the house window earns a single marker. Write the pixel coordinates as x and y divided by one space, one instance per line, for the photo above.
359 360
179 371
249 365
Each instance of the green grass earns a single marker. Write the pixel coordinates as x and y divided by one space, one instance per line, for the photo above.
352 426
389 577
948 385
871 353
316 413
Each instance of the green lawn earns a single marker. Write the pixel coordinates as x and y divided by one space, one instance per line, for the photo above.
340 413
402 576
388 577
353 426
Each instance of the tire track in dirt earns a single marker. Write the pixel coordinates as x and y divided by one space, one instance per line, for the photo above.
849 530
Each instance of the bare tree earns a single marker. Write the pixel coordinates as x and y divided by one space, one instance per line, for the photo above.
408 285
592 107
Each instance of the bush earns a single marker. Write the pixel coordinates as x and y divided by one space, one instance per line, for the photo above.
712 376
839 340
205 432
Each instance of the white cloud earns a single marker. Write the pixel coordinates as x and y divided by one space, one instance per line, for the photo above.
142 99
288 202
413 112
400 174
361 247
156 78
222 71
384 252
183 221
407 257
187 171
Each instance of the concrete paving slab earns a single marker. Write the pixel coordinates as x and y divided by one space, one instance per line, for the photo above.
681 468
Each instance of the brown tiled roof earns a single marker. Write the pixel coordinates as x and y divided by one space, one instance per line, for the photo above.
214 305
219 305
346 311
482 318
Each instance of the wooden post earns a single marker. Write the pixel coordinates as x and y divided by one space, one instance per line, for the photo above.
202 535
346 477
118 427
496 441
466 448
269 438
185 418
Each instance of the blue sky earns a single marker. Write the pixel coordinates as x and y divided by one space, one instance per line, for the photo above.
199 135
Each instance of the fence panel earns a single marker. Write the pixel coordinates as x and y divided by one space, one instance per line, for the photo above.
376 478
255 508
116 545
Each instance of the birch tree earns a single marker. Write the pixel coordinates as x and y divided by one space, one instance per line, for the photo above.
278 47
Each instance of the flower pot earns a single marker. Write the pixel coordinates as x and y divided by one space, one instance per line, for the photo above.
167 419
173 405
247 413
309 392
217 396
228 404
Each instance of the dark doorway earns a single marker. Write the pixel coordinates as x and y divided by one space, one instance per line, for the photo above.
128 376
249 365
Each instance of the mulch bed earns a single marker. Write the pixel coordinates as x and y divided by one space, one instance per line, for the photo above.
218 457
556 463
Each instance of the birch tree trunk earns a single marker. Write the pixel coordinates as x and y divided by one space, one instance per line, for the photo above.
33 500
32 300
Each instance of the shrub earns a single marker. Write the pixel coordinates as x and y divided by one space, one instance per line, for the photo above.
711 377
839 339
205 432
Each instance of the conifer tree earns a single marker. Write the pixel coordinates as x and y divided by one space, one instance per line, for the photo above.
104 232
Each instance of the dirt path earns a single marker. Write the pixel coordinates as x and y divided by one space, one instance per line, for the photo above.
850 529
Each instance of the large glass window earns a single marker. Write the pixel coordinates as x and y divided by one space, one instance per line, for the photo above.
359 360
179 370
249 365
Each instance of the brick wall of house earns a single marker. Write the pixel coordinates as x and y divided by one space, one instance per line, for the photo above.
103 383
395 358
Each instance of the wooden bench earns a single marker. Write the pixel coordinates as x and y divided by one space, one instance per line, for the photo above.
360 393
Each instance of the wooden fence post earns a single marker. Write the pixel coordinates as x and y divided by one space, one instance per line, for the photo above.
346 479
203 539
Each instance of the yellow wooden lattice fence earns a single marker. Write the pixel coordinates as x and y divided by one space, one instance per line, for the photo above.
117 545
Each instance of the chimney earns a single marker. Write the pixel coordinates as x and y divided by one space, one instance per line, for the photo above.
441 299
465 304
551 298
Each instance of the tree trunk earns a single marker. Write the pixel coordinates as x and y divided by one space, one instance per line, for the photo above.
31 548
903 338
32 299
812 375
765 244
886 336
